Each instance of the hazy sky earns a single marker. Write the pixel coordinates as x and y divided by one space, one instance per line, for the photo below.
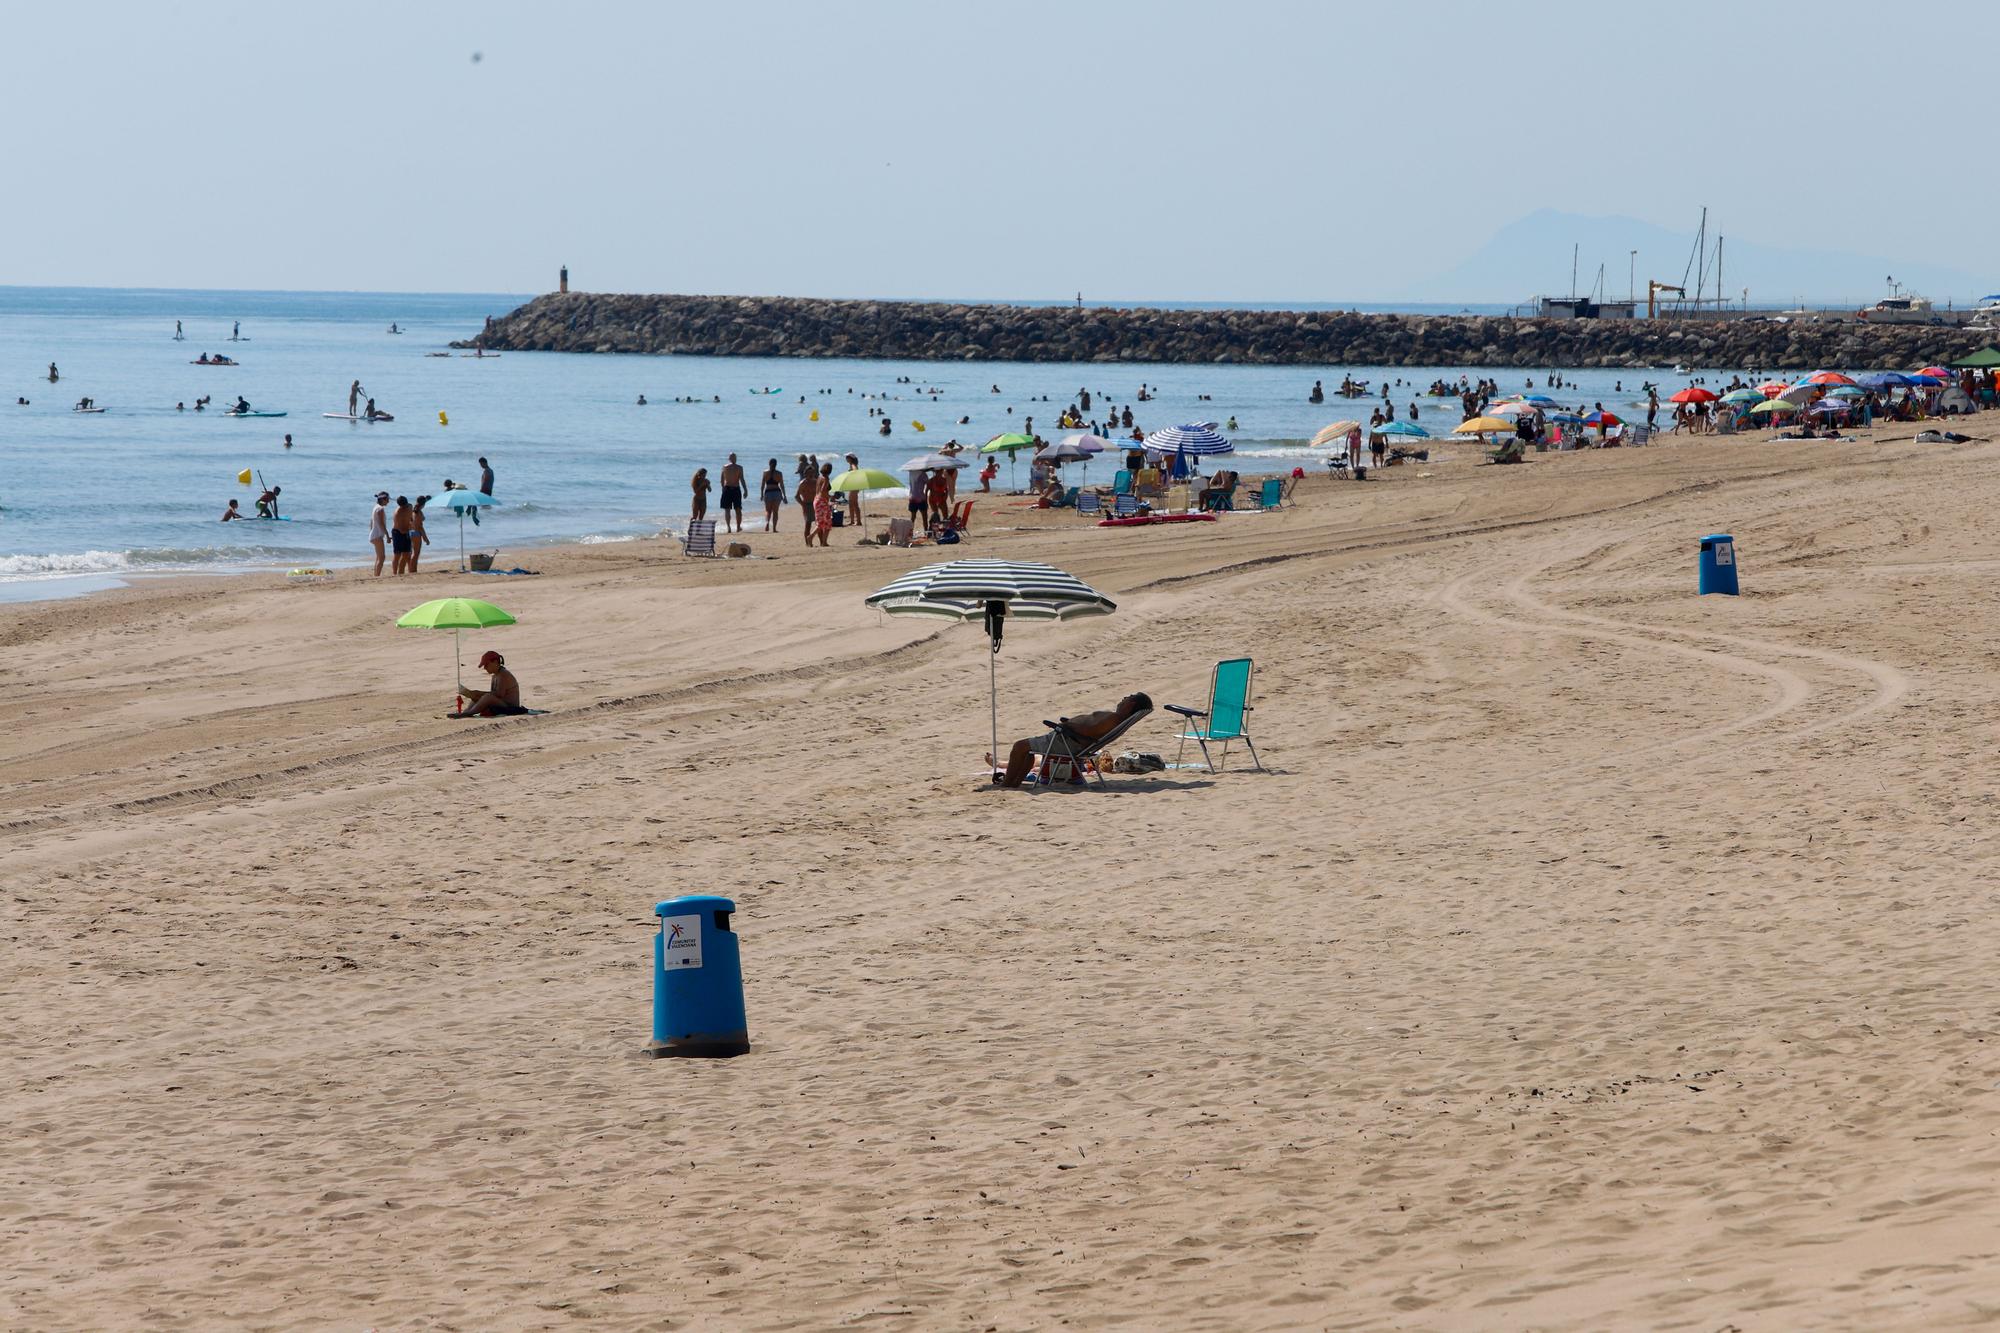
1224 151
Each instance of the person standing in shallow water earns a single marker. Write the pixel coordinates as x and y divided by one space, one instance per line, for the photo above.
772 485
700 509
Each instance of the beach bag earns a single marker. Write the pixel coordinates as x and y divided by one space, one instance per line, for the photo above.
481 561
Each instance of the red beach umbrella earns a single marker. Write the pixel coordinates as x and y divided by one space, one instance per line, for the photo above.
1693 394
1772 388
1938 371
1828 377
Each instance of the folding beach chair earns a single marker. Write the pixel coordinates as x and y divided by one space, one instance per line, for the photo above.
1121 483
1066 744
1226 714
1089 503
1271 495
900 531
961 516
700 539
1125 506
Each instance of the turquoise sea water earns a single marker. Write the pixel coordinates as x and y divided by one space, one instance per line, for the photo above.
90 499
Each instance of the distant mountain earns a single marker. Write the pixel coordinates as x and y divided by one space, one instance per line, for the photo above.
1531 257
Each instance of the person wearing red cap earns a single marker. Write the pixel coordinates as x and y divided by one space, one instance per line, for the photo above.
501 699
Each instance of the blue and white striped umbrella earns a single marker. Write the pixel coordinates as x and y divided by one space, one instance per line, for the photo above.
962 589
1195 437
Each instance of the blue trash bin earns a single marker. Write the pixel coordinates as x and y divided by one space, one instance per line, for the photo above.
697 980
1718 564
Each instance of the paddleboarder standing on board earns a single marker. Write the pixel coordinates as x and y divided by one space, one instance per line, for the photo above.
353 398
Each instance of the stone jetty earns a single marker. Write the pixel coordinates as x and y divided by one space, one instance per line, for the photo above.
922 331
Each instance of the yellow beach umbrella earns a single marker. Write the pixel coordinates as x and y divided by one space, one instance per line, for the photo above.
1482 426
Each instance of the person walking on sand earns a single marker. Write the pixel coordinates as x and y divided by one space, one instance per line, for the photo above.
419 538
823 504
399 535
772 484
378 529
808 487
732 494
700 510
354 392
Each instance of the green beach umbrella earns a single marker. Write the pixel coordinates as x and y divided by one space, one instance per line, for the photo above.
866 479
455 614
1743 396
1775 405
1009 444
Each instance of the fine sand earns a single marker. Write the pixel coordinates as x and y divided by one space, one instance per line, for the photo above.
1593 955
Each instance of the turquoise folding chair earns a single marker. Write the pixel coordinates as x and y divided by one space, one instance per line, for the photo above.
1226 717
1270 495
1122 483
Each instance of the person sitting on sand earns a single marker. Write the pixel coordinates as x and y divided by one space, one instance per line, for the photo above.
501 699
1089 726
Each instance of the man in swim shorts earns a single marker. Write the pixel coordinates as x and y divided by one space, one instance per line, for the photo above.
502 699
1088 726
732 495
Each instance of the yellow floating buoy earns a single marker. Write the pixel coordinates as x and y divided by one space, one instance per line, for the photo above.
443 420
916 425
815 415
244 476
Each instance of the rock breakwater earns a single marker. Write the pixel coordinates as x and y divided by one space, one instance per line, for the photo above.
919 331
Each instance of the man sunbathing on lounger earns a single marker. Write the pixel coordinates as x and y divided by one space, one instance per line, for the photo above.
502 700
1085 727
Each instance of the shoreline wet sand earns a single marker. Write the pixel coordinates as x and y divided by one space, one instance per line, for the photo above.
1592 954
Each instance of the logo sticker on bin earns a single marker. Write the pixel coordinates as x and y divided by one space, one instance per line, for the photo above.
683 948
1725 553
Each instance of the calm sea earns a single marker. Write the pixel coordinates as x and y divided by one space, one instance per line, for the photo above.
87 501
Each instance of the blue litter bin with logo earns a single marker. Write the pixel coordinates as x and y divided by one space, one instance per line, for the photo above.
1718 564
697 980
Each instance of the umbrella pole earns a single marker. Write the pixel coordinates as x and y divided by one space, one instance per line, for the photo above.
461 541
993 694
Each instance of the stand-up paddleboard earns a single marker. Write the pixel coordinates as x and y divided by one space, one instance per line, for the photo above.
269 518
474 356
758 393
343 416
253 414
86 409
215 363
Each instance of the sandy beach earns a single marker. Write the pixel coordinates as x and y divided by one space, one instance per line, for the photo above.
1592 955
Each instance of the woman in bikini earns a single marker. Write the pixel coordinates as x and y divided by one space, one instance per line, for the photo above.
700 510
772 484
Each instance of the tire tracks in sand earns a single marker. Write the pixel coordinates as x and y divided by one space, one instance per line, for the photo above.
1789 690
